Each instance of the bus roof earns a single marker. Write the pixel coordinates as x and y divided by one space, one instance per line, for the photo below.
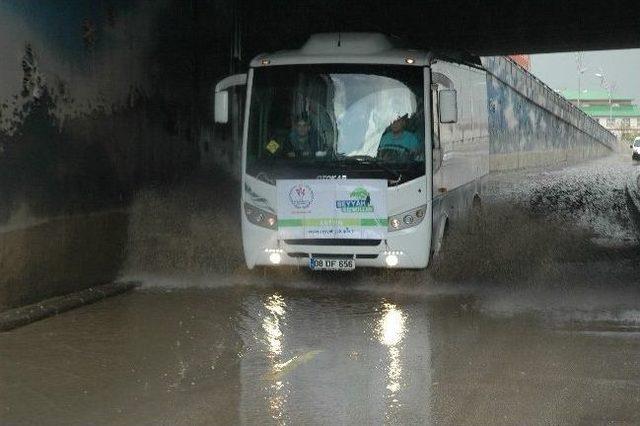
345 48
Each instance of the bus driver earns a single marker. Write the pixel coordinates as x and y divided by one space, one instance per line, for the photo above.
398 142
302 139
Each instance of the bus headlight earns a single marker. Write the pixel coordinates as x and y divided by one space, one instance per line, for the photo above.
275 258
275 255
407 219
391 260
260 217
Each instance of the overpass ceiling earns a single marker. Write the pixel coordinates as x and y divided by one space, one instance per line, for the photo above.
483 27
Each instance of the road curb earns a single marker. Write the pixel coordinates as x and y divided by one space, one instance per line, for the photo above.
24 315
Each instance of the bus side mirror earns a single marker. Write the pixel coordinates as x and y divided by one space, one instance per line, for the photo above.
221 97
221 107
448 106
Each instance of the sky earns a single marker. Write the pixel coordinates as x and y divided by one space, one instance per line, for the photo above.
559 70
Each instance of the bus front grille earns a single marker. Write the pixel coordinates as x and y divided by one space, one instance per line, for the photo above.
332 242
332 256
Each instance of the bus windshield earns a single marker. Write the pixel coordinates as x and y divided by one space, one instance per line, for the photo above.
366 121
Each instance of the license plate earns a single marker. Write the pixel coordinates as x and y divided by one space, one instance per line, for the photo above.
332 264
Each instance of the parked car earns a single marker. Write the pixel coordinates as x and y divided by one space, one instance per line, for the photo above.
635 146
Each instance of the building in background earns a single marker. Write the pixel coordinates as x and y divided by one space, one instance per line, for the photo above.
523 60
617 113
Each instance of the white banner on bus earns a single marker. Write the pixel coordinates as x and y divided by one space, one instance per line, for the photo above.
336 208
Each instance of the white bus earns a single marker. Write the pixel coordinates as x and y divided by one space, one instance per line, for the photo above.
356 153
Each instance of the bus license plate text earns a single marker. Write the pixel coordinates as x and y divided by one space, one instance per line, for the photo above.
332 264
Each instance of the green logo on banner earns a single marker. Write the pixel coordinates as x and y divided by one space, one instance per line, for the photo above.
360 194
359 202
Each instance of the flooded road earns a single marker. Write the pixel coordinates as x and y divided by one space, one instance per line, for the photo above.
534 319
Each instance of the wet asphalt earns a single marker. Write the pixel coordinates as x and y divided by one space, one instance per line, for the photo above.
531 318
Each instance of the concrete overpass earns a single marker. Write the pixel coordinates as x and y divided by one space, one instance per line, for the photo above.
485 28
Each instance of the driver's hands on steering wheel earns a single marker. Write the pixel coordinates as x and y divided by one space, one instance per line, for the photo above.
394 153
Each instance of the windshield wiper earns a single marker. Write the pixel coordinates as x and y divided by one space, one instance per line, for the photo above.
369 160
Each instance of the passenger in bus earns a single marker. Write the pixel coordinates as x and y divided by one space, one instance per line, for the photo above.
398 142
303 140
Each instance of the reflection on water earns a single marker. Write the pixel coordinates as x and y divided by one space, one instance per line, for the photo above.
277 401
271 324
391 330
391 327
332 359
275 389
395 369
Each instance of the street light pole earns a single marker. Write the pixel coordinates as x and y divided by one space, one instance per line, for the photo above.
612 88
579 56
609 86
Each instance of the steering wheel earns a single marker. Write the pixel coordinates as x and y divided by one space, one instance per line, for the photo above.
394 152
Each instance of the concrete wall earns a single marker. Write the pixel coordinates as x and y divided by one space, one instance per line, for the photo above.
60 255
98 100
531 125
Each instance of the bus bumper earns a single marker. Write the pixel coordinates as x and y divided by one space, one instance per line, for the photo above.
410 247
